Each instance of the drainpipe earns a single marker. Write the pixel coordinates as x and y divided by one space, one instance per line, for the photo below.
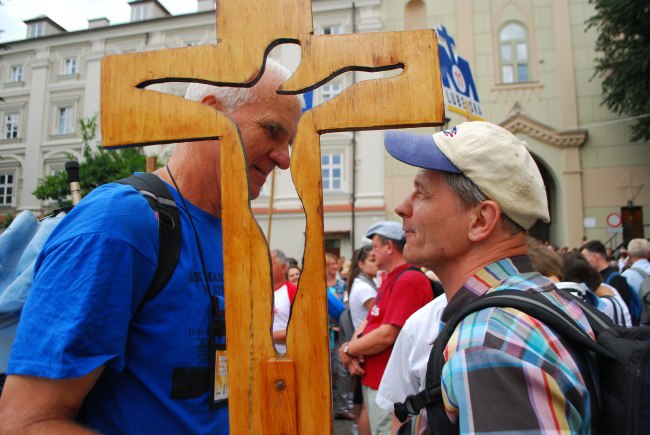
354 149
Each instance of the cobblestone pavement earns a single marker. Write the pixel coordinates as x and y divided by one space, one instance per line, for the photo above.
343 427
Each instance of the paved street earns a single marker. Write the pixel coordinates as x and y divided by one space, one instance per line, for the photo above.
343 427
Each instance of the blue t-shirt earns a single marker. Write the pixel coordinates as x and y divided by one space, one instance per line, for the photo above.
82 313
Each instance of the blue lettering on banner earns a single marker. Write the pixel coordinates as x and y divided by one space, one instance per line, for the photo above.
457 80
307 101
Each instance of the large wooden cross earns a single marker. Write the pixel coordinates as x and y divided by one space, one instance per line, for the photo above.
268 393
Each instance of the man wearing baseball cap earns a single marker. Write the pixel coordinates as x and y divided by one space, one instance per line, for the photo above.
475 196
404 290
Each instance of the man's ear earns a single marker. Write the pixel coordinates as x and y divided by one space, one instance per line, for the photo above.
391 246
213 102
484 218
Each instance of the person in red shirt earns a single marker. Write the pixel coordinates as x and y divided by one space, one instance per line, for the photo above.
403 292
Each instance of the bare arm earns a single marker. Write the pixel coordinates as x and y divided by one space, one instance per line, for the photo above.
394 424
369 303
375 341
31 405
280 337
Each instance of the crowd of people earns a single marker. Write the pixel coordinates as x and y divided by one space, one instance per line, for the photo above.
397 319
587 272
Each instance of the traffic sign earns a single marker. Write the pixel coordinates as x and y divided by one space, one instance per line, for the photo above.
614 220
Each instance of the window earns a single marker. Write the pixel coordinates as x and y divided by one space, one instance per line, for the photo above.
12 125
35 30
6 188
332 30
332 167
330 90
141 12
513 49
70 66
66 120
16 74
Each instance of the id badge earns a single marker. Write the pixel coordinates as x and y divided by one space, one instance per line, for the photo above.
220 376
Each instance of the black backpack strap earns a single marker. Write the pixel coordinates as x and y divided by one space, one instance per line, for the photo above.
534 305
162 202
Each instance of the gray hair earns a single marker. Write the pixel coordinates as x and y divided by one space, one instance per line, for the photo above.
232 98
280 256
470 195
638 248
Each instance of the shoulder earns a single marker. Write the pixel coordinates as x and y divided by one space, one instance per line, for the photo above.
112 211
424 324
361 286
429 314
412 278
504 329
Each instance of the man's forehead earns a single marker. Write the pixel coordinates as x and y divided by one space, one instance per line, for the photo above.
424 177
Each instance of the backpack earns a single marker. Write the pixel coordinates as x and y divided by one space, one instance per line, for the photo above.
618 378
635 303
346 327
644 296
12 297
161 201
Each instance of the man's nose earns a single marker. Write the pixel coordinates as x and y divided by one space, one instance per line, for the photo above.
402 209
281 156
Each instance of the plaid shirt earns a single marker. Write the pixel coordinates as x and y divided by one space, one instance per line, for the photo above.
506 371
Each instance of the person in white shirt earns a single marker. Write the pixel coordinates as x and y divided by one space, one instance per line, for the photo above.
361 296
361 287
407 367
283 294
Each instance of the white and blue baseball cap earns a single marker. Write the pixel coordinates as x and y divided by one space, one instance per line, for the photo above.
492 157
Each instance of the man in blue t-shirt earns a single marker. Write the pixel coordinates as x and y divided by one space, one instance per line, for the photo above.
89 353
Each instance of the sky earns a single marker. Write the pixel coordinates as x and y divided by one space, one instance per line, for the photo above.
72 14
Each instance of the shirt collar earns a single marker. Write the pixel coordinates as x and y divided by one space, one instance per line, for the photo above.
484 279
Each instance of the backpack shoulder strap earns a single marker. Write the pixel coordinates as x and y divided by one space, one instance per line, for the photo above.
535 305
408 269
162 202
610 277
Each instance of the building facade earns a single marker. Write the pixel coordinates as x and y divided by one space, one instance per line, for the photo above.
532 63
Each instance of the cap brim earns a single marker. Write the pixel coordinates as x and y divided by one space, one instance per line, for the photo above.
418 150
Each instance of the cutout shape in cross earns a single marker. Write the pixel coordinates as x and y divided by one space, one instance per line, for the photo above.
267 393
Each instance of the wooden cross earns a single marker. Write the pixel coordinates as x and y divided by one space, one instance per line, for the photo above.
268 393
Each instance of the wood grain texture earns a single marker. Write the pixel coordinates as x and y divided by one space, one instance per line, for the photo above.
246 31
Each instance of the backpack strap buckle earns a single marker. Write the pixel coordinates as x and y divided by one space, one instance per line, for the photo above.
415 403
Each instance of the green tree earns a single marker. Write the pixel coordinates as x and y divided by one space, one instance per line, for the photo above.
624 64
98 167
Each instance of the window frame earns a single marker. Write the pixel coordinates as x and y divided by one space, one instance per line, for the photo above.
11 129
69 125
141 12
4 185
328 30
328 182
70 66
327 91
16 78
514 63
36 30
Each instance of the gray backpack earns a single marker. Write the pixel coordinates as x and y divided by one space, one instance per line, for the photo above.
644 295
